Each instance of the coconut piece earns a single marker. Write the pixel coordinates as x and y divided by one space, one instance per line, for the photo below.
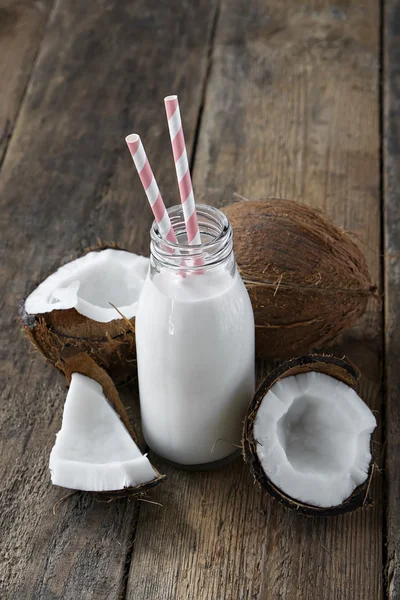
308 281
93 450
307 436
89 303
91 284
96 448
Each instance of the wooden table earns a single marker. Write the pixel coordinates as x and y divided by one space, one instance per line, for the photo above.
282 98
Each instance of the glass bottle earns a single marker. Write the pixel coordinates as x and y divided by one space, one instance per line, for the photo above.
195 344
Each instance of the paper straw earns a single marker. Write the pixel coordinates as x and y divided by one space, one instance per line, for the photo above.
150 187
182 169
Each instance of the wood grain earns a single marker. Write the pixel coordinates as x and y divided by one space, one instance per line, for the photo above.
291 110
22 26
392 289
66 180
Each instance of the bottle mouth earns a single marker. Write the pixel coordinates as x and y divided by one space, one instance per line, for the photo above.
216 240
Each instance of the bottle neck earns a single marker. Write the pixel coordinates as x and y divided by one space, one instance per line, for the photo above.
216 246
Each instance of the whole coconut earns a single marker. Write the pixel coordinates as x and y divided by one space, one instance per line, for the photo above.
307 280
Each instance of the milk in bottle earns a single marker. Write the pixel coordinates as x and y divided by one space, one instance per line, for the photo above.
195 344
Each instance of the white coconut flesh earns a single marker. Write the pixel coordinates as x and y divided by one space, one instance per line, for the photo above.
93 449
312 435
91 284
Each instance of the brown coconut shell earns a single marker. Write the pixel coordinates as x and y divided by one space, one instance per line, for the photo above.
71 362
307 279
111 345
340 369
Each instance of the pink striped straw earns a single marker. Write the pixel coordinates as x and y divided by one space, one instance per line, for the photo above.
182 169
150 187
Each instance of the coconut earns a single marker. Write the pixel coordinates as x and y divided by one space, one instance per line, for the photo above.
96 449
307 280
89 303
307 437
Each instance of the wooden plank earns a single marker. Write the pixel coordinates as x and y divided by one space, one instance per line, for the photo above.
291 110
391 163
22 26
68 179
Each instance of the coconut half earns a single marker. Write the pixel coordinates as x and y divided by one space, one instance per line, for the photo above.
81 305
92 284
95 450
307 436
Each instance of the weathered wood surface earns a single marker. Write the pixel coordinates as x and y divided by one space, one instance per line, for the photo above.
291 110
391 163
22 26
66 180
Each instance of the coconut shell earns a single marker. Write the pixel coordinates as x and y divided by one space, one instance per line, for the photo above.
111 345
71 362
340 369
307 280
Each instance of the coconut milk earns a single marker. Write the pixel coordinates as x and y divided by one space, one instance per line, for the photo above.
195 347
